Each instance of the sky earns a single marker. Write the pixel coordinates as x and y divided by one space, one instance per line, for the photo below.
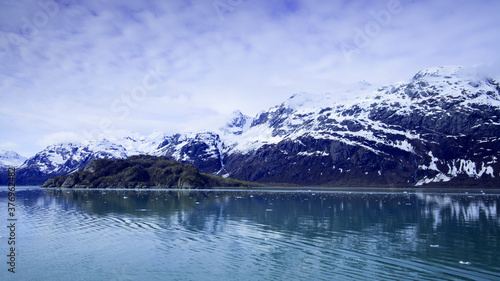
71 70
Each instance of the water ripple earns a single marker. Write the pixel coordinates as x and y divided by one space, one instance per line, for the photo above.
264 236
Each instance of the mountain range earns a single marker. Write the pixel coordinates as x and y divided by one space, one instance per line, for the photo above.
440 128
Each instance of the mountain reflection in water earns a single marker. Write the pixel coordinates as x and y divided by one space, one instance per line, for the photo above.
243 235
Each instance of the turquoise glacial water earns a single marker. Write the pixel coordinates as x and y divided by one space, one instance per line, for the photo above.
360 234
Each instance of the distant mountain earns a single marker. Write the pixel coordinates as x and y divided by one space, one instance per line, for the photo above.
440 128
65 158
10 159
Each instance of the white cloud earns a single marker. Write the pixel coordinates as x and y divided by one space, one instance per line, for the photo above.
59 137
66 76
8 146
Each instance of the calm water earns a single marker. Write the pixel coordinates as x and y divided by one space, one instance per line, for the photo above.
255 235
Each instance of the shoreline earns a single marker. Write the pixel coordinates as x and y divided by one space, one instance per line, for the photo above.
298 189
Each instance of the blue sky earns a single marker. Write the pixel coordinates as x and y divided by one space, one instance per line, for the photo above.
70 69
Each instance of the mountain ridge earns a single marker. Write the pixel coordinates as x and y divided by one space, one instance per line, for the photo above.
440 127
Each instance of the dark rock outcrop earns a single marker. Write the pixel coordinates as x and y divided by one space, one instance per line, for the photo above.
142 171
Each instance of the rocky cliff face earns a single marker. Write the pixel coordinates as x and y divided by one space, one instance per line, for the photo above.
203 150
441 128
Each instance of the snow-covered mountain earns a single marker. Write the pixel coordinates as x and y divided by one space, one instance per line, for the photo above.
442 124
238 124
204 150
65 158
440 127
10 159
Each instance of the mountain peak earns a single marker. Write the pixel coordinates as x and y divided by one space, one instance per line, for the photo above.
10 158
237 124
363 84
304 99
439 71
